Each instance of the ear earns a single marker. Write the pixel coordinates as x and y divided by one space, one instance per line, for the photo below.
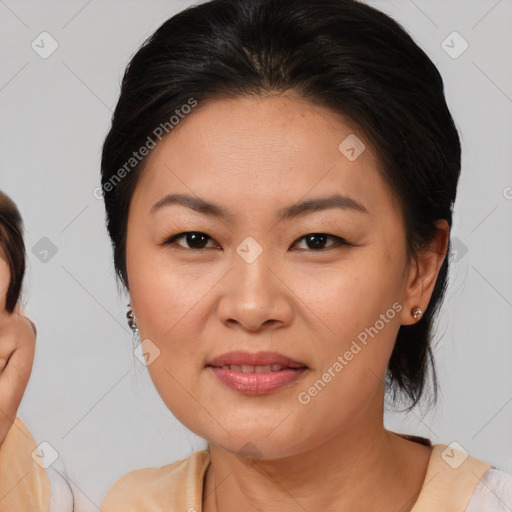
423 272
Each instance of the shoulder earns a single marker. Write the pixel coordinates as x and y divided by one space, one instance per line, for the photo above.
451 479
176 486
21 460
494 492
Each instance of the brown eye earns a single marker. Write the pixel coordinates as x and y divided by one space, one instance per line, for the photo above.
317 241
195 240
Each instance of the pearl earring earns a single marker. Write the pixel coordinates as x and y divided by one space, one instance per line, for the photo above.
132 321
416 313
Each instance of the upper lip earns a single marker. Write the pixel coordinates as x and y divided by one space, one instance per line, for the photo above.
254 359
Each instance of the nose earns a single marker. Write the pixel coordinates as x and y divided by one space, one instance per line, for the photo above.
255 296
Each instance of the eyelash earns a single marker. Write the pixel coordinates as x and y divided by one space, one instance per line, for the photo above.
338 241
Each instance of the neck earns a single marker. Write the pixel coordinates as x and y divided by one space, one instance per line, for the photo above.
362 469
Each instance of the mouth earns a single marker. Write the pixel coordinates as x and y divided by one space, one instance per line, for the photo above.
248 368
256 373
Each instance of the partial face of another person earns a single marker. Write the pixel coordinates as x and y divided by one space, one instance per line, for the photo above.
5 276
310 285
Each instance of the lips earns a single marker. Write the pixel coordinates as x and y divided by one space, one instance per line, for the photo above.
249 368
256 373
249 359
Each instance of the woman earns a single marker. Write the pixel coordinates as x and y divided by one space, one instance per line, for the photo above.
279 180
26 484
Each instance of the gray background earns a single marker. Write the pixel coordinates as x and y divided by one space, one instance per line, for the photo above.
88 396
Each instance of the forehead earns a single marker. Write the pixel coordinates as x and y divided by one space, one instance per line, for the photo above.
261 150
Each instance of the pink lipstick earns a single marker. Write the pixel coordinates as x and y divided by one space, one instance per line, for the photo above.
256 373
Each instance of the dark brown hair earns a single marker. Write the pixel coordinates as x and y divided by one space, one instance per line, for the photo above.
342 54
12 248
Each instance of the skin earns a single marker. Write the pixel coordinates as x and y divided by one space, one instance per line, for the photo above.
254 156
17 347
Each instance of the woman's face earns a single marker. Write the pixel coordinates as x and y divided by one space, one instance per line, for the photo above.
253 282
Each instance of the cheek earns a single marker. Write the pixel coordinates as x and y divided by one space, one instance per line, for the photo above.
167 303
358 304
159 291
163 301
344 300
170 304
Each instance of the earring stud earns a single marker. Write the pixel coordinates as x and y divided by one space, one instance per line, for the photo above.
416 313
132 321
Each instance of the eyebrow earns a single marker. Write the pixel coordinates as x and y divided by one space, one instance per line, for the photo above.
289 212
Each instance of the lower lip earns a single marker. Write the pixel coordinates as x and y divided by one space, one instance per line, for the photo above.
257 383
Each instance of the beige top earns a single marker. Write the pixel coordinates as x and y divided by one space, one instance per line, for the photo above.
451 479
24 484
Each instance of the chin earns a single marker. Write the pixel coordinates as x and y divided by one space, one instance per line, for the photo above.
256 443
